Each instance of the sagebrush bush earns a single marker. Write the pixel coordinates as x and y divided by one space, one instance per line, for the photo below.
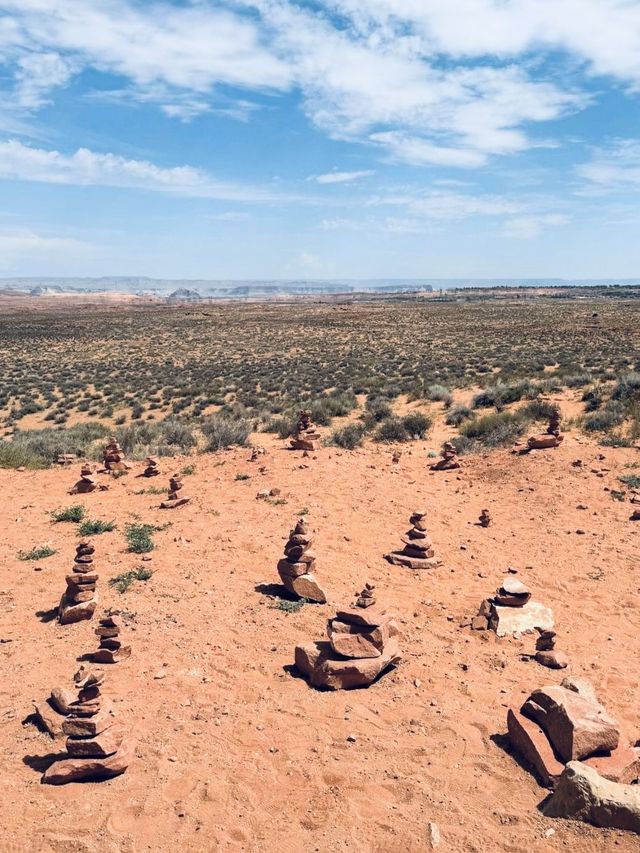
494 430
628 388
438 393
349 437
390 430
416 424
73 513
458 415
221 431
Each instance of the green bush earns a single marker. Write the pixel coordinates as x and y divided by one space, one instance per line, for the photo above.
73 513
416 424
458 415
349 437
537 410
494 430
222 431
38 448
603 421
628 388
378 410
390 430
95 527
438 393
37 553
123 581
169 437
139 537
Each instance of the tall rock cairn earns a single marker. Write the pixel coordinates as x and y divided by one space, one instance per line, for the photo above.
80 599
296 567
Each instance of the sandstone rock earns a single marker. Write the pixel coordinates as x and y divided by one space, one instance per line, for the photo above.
101 746
316 662
530 741
520 620
89 726
306 586
512 593
449 458
582 794
353 641
61 699
576 726
418 552
581 686
50 717
296 567
622 765
370 617
543 441
553 659
84 769
69 613
306 436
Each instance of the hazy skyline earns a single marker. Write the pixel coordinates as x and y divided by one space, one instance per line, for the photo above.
337 138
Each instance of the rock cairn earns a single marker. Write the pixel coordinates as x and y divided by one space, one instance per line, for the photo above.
97 747
296 567
546 652
448 458
151 467
66 458
551 438
87 482
52 711
512 611
418 552
485 518
562 723
362 645
80 599
114 457
306 436
111 649
174 498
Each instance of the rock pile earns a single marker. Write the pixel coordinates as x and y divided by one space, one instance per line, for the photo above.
97 747
80 599
114 457
296 567
562 723
449 458
362 645
52 711
87 482
66 458
550 438
151 467
418 552
485 518
174 498
511 611
110 649
306 436
546 652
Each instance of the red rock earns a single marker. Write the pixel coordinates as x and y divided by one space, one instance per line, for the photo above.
316 662
370 617
397 558
530 742
622 765
105 655
104 744
49 717
357 641
552 659
69 613
543 441
89 726
289 571
80 769
62 699
576 726
306 586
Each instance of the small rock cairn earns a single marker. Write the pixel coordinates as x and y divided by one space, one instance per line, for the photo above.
114 457
79 600
97 747
362 645
174 498
418 552
546 652
485 518
551 438
296 567
449 458
87 482
111 649
512 611
151 469
306 436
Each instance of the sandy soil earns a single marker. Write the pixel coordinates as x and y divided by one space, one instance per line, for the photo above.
236 753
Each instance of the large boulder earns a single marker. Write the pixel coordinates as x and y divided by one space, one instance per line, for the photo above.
582 794
318 662
576 726
520 620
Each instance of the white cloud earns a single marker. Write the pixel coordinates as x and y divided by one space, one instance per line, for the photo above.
528 227
231 216
451 206
617 166
340 177
24 243
88 168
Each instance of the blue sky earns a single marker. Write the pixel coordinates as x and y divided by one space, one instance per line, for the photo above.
335 138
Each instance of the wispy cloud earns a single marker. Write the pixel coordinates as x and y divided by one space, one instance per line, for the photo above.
614 167
341 177
16 244
88 168
528 227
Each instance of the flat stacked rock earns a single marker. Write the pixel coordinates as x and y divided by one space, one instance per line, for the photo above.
174 498
511 611
562 723
296 567
362 645
485 518
547 654
97 747
114 457
66 458
111 649
449 458
550 438
80 598
151 469
418 550
87 482
52 711
306 436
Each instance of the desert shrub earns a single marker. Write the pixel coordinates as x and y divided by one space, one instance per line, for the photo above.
169 437
438 393
494 430
37 553
577 380
593 398
377 410
95 527
349 437
41 447
502 394
537 410
222 431
628 388
416 424
603 420
123 581
458 415
614 439
16 456
73 513
630 480
139 537
284 426
391 429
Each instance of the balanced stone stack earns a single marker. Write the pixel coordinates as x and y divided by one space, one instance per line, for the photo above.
511 611
296 567
87 482
306 436
449 458
114 457
151 469
562 723
80 599
111 649
362 645
174 498
485 518
418 550
97 747
52 711
550 438
546 652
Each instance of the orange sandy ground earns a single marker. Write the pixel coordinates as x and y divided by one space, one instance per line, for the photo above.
233 751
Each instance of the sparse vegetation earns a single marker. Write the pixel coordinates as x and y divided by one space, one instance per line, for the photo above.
95 527
73 513
40 552
348 437
123 581
139 537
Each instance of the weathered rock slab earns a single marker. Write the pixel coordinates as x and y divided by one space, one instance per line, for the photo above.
90 769
520 620
319 664
530 742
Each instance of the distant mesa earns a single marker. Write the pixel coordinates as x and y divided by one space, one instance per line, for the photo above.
183 294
